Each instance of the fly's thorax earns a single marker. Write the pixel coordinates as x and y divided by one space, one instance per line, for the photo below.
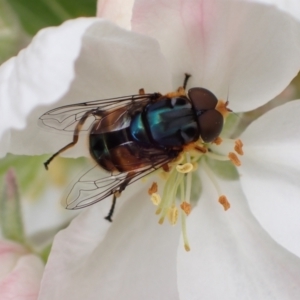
171 122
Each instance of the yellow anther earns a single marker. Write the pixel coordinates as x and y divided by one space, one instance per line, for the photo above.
155 198
224 202
238 147
158 211
173 215
185 168
153 188
217 141
233 157
187 248
186 207
161 220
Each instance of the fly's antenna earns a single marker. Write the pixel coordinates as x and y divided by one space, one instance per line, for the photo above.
227 102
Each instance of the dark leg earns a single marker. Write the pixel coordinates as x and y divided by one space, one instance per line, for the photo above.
117 194
186 78
112 208
75 138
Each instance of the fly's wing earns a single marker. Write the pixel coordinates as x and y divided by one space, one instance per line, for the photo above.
65 118
90 189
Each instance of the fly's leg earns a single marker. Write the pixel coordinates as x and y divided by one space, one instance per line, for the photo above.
186 79
112 208
75 138
117 194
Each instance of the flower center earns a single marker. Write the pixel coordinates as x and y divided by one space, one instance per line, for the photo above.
176 196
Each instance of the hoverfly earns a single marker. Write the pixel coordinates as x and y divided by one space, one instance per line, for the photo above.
132 136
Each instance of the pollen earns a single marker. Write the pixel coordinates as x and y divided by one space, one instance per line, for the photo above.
233 157
224 202
173 215
239 147
152 189
185 168
186 207
155 198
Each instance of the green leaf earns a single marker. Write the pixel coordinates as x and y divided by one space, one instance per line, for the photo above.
37 14
12 36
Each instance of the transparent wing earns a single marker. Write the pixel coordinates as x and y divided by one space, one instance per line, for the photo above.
66 118
89 189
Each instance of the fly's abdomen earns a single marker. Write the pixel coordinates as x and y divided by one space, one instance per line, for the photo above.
117 151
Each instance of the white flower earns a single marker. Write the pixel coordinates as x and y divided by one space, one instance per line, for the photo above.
249 48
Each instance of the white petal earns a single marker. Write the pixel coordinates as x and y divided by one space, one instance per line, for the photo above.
118 11
10 252
82 60
25 79
231 256
134 259
245 50
270 173
23 282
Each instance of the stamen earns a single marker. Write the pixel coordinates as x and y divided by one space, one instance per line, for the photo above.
217 156
173 215
223 201
186 207
222 198
153 189
239 147
188 181
161 220
158 211
212 178
233 157
184 233
185 168
155 198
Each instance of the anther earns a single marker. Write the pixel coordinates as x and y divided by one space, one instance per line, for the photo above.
186 207
158 211
224 202
238 147
172 215
185 168
161 220
153 188
155 198
217 141
187 248
233 157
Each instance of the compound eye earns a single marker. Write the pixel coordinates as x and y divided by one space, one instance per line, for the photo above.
211 125
202 99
